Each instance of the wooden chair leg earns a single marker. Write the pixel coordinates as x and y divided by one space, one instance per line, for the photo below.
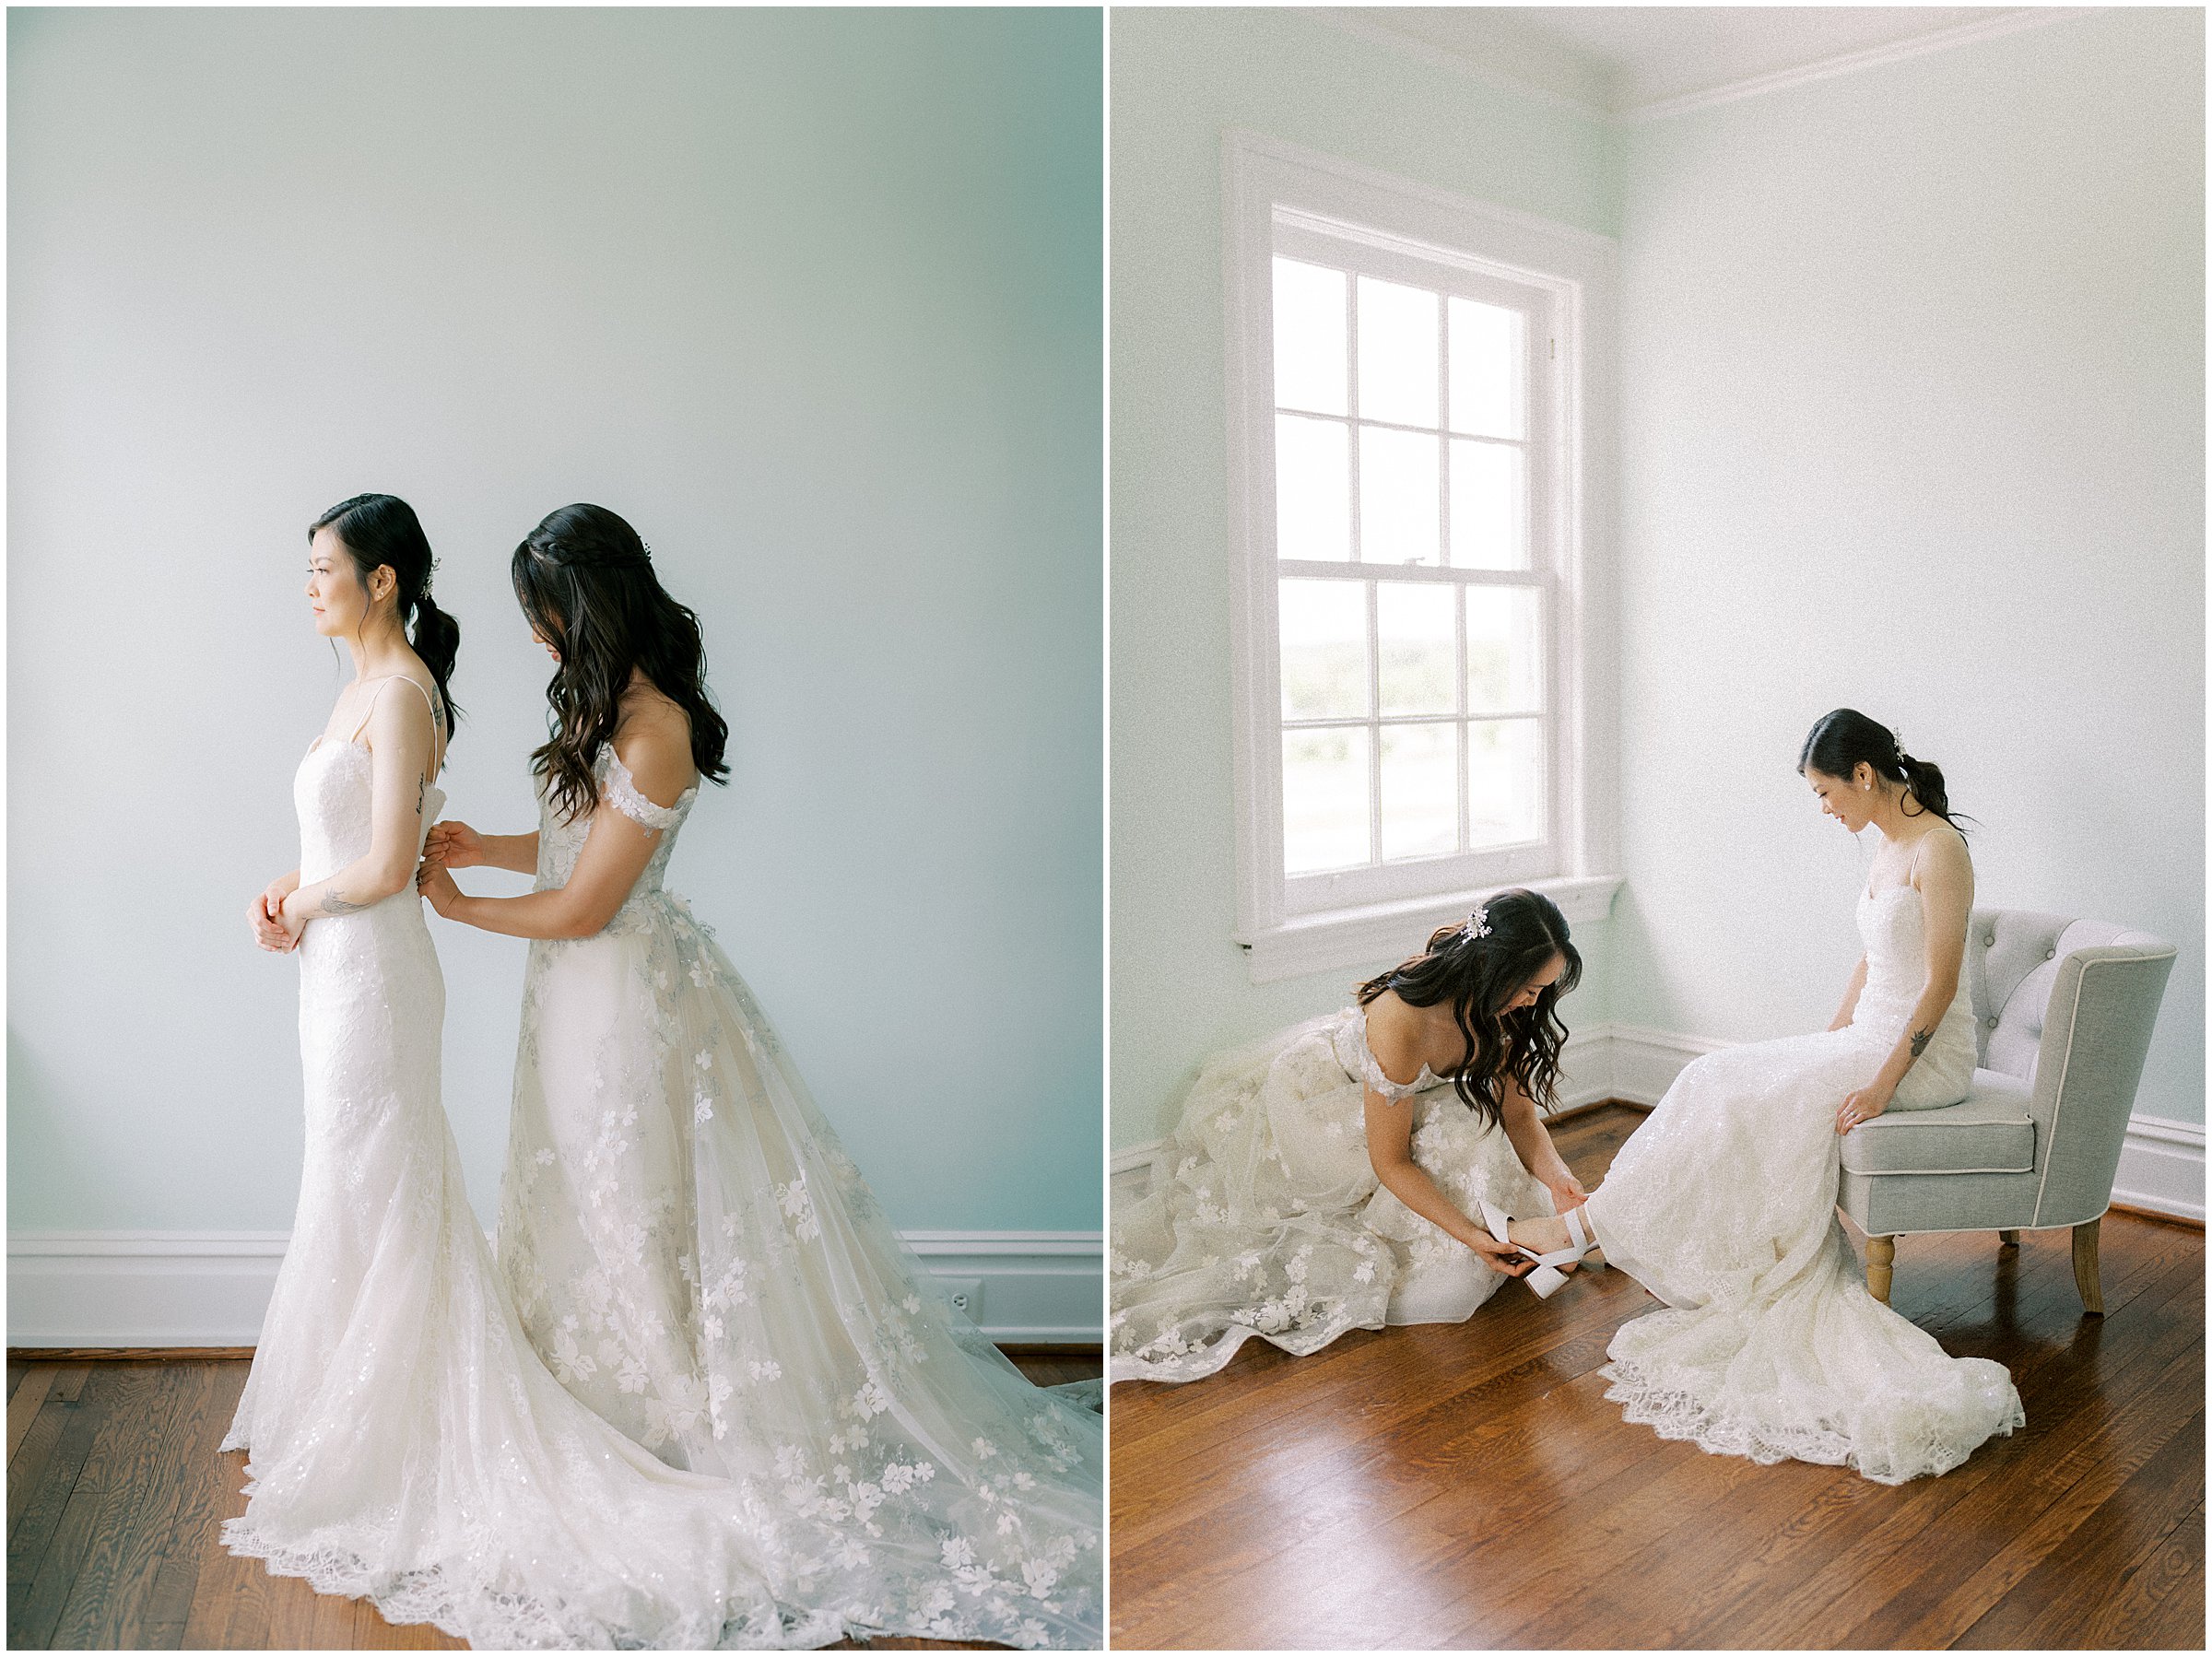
2009 1240
1881 1256
2085 1268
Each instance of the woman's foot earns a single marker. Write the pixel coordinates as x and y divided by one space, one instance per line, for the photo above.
1543 1233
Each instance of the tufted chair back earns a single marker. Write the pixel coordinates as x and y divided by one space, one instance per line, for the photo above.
2067 1006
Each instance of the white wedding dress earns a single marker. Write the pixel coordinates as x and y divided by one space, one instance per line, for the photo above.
696 1258
1264 1216
1723 1204
405 1443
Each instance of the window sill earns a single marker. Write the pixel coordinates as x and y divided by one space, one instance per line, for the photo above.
1390 932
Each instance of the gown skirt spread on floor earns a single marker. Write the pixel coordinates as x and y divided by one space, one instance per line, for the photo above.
1264 1216
1722 1204
406 1444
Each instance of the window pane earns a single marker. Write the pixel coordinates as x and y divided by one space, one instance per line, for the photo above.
1324 650
1309 337
1505 650
1420 790
1312 489
1505 782
1418 654
1397 353
1398 506
1490 369
1324 800
1490 518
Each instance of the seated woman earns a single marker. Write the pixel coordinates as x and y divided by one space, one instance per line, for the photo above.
1322 1180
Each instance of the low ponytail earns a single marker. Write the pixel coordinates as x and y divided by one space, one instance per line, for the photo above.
1924 778
437 639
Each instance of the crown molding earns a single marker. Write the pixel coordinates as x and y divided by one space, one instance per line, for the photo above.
1848 63
1348 20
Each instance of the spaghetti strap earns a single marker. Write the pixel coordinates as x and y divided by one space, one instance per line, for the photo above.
437 724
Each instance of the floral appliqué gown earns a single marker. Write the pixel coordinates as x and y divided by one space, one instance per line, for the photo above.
698 1259
1723 1204
1264 1216
406 1442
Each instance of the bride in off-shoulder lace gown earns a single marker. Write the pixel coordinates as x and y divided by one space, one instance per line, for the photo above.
699 1261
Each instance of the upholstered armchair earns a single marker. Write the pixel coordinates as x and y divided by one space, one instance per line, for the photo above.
2063 1015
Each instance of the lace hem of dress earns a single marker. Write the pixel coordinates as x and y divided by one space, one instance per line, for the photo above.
622 793
1674 1413
492 1619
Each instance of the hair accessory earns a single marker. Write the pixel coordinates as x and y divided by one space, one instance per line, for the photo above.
1479 923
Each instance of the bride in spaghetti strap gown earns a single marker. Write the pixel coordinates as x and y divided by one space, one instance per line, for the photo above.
1723 1203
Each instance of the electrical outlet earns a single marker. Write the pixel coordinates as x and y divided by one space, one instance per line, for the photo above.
967 1294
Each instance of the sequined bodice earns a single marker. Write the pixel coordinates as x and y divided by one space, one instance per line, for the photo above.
561 841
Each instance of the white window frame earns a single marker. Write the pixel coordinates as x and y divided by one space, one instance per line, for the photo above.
1291 926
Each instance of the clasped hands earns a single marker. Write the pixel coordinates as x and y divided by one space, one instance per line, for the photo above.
448 846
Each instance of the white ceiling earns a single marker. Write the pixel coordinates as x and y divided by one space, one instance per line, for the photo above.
1630 60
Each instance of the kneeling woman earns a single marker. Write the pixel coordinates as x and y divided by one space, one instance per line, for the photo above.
1324 1180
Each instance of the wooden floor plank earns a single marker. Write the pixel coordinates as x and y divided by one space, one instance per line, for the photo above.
1470 1487
140 1470
197 1516
23 1405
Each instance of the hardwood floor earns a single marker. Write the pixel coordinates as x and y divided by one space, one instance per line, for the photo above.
1469 1487
116 1497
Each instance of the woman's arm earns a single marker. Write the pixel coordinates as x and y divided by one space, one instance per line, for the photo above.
1390 1150
1851 997
454 845
1532 1142
615 854
399 776
1946 901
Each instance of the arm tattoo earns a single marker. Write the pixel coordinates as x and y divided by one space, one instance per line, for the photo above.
1919 1042
422 786
335 902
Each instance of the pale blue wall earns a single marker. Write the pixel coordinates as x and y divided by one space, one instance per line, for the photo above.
1180 986
1913 421
814 298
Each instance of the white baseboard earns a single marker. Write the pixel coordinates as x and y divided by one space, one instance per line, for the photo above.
2162 1168
2162 1162
210 1288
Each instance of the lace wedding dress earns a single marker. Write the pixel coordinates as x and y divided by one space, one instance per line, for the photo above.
699 1261
1723 1205
1264 1216
405 1442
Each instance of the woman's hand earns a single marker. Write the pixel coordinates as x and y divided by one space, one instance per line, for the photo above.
434 882
288 919
453 845
1862 1106
1565 1191
1500 1256
261 916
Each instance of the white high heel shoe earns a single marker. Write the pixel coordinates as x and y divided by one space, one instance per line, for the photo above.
1546 1280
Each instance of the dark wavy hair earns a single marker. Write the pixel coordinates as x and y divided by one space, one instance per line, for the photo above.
384 530
1477 976
1841 741
585 580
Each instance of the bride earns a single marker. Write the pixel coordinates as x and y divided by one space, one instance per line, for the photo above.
1322 1180
687 1245
1722 1201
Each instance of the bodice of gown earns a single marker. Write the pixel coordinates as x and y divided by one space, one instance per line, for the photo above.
333 794
1893 930
561 840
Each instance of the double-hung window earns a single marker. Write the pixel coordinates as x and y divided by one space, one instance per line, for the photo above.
1410 501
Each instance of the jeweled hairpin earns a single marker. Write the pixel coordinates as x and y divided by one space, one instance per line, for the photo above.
1479 923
